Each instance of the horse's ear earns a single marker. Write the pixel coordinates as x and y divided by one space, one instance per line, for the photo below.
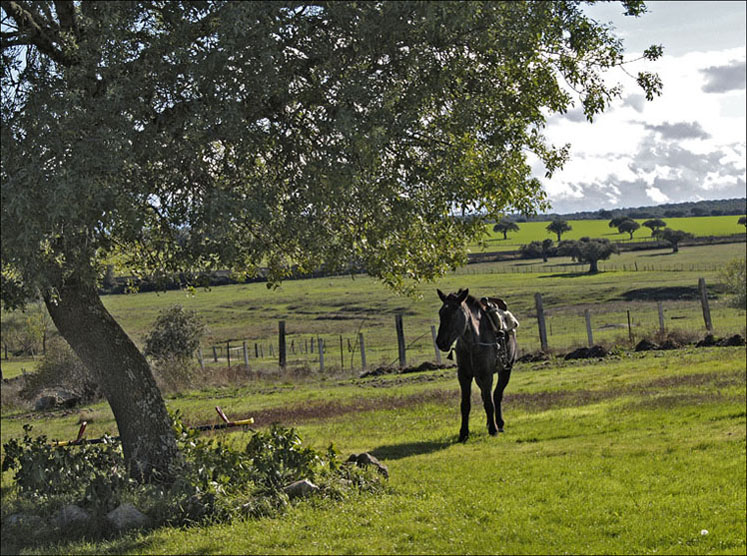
441 295
462 295
501 304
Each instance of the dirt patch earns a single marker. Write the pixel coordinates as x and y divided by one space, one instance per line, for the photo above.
587 353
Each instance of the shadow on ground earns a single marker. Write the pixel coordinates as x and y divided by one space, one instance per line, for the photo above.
407 449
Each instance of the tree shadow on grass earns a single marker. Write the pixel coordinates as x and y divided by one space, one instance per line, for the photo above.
568 275
399 451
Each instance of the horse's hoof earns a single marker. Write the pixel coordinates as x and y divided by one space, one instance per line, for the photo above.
494 433
463 437
500 430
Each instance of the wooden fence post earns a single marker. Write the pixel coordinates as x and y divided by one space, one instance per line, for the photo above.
435 347
199 358
363 350
342 355
589 335
704 303
660 307
541 321
246 355
630 327
321 354
215 355
228 353
400 339
256 351
281 343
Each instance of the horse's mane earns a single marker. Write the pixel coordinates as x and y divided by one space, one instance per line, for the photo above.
471 301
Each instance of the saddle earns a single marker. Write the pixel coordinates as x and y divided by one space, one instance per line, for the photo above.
491 306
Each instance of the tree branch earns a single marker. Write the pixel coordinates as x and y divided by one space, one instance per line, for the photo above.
35 31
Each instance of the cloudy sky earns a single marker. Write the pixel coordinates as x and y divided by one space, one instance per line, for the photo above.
686 145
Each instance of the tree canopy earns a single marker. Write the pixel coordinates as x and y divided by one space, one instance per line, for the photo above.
558 227
505 225
191 136
628 226
654 224
588 250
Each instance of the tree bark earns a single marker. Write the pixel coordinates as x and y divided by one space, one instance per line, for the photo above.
148 442
594 266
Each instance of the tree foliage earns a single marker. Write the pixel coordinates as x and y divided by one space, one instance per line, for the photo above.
655 224
673 237
505 225
588 250
559 227
628 226
193 136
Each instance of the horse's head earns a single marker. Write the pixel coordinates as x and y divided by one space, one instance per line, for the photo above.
452 317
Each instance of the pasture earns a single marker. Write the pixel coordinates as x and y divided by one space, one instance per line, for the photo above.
637 453
535 231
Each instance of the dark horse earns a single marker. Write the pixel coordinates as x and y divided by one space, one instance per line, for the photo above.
464 319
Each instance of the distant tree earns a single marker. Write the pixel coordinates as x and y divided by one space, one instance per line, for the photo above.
537 249
673 213
628 227
617 220
654 225
743 221
567 248
734 277
673 237
559 227
594 250
604 214
698 211
504 226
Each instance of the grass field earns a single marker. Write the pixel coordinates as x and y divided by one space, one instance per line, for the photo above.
536 231
636 454
335 307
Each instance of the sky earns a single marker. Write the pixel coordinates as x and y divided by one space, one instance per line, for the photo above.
686 145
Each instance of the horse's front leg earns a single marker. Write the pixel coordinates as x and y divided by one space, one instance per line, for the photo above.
465 383
503 376
486 384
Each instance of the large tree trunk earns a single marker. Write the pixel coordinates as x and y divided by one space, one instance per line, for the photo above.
148 442
593 266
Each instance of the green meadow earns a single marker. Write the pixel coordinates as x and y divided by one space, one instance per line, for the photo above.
536 231
634 454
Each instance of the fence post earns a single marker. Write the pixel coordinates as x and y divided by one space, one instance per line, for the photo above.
256 351
400 339
342 355
246 355
363 350
704 303
589 335
281 343
215 355
435 347
630 327
321 354
659 305
228 353
541 321
199 358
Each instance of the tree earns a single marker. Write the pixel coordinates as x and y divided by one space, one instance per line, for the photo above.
628 226
743 221
559 227
185 137
734 276
617 220
587 250
673 237
654 224
504 226
537 249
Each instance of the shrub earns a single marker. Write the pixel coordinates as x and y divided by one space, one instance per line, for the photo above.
215 481
61 368
171 344
734 276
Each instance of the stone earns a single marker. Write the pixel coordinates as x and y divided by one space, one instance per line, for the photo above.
364 459
70 516
304 487
51 399
126 517
645 345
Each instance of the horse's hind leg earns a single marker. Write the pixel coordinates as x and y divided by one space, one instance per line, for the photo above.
465 383
485 384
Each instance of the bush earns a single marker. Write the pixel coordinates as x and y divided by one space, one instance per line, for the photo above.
171 344
734 276
214 480
62 369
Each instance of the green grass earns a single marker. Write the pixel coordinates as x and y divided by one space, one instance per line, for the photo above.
633 454
536 231
16 366
342 306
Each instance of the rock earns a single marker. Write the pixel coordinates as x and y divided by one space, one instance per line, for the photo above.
70 516
669 344
304 487
51 399
25 522
365 458
645 345
126 517
598 351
